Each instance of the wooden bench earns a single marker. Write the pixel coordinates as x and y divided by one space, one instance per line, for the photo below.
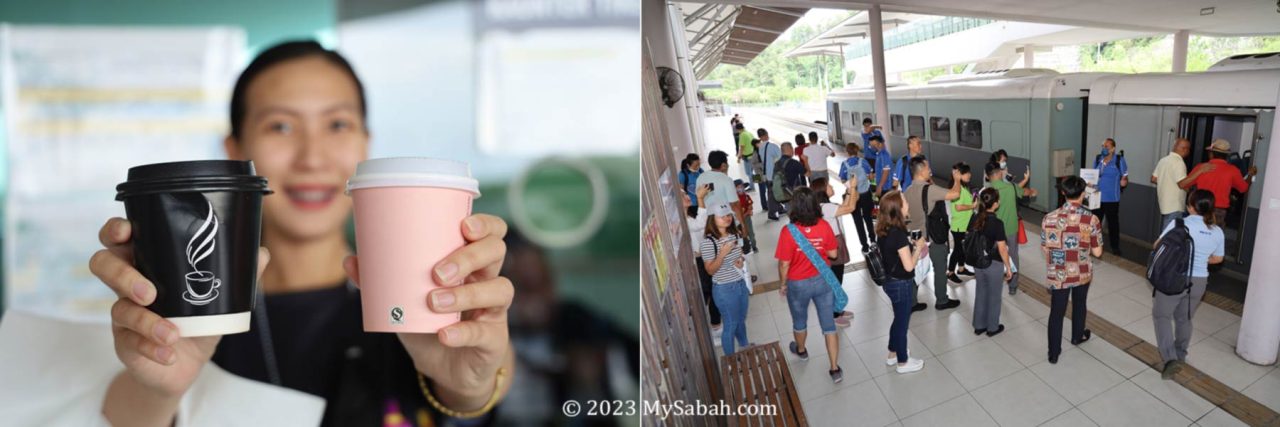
759 375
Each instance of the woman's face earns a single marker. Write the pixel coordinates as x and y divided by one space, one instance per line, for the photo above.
304 132
693 166
724 221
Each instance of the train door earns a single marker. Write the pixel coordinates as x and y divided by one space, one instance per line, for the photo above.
1240 130
834 131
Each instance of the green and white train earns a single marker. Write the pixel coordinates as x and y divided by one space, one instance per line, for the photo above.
1055 124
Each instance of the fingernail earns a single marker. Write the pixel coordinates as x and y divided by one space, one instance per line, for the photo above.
165 354
473 225
446 272
443 298
141 292
164 333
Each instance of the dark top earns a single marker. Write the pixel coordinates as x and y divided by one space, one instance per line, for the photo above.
993 229
889 245
792 171
321 349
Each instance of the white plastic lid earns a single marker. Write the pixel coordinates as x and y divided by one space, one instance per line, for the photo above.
413 172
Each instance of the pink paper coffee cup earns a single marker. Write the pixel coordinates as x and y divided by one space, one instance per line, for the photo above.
408 215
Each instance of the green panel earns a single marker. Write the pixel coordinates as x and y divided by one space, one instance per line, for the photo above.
603 271
264 22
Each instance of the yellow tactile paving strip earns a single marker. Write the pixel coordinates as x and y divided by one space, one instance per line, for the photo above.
1230 400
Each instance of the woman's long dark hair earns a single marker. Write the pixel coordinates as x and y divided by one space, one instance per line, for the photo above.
806 207
1202 201
987 198
891 214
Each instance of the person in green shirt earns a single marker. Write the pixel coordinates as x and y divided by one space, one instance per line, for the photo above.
961 212
745 150
1008 214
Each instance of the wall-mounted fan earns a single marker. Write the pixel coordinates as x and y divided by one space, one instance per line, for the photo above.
672 85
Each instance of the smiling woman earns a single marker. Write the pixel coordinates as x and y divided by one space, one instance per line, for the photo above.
298 112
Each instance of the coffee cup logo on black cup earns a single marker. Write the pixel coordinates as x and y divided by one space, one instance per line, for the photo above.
196 231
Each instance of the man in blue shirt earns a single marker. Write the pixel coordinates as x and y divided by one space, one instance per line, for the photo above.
881 174
1113 175
902 169
857 168
869 130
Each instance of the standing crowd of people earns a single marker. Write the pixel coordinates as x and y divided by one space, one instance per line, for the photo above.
912 229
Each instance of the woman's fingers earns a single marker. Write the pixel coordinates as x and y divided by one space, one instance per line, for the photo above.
116 231
480 226
485 335
132 348
126 314
481 259
119 275
493 293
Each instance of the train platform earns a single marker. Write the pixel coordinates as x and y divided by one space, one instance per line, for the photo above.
1004 380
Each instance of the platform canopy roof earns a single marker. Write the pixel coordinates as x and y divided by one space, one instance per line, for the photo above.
732 34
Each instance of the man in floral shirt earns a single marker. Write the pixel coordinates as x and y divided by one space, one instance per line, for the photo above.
1068 236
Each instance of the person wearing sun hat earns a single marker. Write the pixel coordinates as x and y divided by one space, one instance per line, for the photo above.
1219 177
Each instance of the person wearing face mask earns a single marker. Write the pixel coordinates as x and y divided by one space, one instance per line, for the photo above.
298 112
1113 175
1002 157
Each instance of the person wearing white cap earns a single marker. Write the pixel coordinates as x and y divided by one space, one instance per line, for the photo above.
722 256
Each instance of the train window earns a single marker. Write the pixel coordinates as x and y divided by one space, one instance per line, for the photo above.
940 129
915 125
895 124
969 133
853 118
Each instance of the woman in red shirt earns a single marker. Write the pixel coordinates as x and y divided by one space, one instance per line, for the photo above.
802 281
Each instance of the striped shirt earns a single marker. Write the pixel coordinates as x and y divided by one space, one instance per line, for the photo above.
727 272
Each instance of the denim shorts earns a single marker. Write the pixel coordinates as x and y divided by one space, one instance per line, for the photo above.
800 292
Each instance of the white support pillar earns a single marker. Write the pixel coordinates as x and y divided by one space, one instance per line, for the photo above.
1028 57
877 65
1259 338
694 108
656 33
1180 51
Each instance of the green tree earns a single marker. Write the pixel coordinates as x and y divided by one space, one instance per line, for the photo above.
772 78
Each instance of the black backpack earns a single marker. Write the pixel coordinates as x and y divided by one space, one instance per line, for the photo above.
1169 267
936 225
875 263
974 247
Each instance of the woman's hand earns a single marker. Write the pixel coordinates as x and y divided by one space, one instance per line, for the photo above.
462 359
160 366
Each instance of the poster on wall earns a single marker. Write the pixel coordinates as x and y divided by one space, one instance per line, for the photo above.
81 106
657 250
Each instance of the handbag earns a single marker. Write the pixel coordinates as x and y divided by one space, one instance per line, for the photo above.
842 247
841 299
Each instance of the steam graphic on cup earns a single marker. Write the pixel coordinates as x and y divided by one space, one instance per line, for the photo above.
202 286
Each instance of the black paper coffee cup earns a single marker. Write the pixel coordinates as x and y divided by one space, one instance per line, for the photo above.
196 232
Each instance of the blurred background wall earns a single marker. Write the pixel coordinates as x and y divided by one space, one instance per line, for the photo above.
550 127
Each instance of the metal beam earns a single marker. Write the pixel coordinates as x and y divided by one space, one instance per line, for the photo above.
751 42
698 13
727 20
780 11
760 29
719 43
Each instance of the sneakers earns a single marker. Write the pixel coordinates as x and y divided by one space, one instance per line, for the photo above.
950 304
844 322
795 349
919 307
979 331
997 331
1013 290
1171 368
891 361
837 375
715 335
953 278
965 272
912 365
1053 359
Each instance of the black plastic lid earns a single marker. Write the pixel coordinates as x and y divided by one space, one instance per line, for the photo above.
199 175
